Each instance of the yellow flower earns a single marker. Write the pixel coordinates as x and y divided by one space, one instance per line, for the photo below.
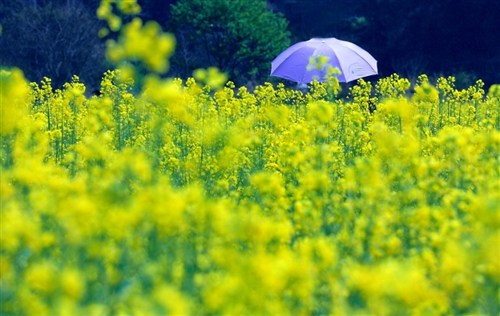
72 283
41 277
210 77
14 99
490 256
173 301
144 43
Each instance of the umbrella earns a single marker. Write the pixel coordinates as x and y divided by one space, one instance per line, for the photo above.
352 61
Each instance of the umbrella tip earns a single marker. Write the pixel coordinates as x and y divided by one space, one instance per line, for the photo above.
321 39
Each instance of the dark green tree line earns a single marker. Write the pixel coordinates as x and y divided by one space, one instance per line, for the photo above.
58 38
54 39
240 37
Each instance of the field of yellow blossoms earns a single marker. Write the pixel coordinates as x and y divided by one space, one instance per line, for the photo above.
196 197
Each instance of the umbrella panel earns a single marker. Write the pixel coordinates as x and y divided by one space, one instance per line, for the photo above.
352 61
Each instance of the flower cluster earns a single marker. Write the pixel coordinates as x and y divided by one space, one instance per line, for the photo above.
181 199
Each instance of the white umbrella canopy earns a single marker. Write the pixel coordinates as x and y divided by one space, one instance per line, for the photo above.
352 61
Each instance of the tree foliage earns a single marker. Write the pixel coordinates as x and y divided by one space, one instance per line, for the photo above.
240 37
52 39
58 38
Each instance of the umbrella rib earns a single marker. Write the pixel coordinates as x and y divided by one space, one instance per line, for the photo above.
283 63
355 52
363 58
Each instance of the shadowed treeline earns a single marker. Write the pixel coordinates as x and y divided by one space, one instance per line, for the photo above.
409 37
58 38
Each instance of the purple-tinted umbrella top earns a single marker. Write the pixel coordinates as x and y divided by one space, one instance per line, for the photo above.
353 61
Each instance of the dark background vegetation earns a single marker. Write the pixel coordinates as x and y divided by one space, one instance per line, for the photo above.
58 38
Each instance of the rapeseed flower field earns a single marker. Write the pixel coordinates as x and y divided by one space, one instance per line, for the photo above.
168 197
